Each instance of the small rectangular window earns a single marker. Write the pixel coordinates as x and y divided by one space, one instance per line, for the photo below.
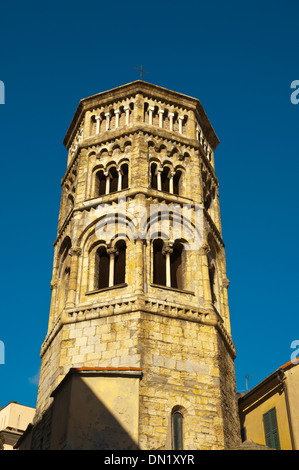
271 429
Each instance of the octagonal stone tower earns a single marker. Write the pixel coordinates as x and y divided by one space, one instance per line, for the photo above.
139 310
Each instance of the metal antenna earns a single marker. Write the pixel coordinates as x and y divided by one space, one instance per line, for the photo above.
246 378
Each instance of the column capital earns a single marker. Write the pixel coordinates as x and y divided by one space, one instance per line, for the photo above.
75 251
204 249
112 250
140 237
53 285
167 247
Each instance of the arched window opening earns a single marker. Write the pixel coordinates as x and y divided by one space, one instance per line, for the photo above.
113 179
112 119
212 282
176 274
100 185
207 201
102 123
177 431
64 285
166 120
120 263
184 125
154 181
168 264
156 116
165 179
213 279
125 176
93 124
64 272
159 274
70 203
177 182
175 122
145 113
102 261
122 116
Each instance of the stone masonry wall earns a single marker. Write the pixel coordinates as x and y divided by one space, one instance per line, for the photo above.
179 360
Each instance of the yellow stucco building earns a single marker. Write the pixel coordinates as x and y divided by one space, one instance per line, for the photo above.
269 412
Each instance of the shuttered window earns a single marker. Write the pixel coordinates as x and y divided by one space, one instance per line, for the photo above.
271 429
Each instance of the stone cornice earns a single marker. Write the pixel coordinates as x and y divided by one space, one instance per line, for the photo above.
141 304
147 90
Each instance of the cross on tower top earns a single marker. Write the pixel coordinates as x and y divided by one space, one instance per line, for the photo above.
141 71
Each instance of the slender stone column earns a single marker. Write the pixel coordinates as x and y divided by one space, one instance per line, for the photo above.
139 253
225 284
98 119
119 181
116 112
167 250
112 252
171 116
107 190
72 288
171 175
127 109
181 118
150 114
161 112
53 301
159 184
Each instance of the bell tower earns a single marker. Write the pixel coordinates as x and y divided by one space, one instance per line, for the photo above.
139 309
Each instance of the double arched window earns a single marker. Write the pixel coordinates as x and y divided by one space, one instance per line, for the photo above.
168 264
110 265
112 180
164 179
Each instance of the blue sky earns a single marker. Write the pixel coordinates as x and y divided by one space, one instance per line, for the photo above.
238 59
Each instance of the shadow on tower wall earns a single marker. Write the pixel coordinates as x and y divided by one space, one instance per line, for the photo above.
91 410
